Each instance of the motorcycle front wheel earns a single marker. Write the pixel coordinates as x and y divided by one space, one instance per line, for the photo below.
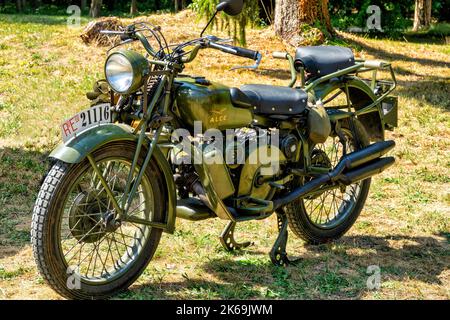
81 250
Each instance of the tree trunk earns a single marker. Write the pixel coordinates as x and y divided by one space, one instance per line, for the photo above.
422 15
291 14
96 6
286 17
21 5
83 5
179 5
133 9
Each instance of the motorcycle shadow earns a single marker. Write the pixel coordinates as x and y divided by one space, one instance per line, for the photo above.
338 270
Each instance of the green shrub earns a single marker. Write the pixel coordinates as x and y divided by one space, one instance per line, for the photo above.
395 15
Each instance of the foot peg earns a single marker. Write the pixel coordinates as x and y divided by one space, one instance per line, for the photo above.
228 241
278 254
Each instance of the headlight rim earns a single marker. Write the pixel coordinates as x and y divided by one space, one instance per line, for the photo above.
140 69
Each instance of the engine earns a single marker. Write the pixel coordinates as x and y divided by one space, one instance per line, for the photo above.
263 156
247 163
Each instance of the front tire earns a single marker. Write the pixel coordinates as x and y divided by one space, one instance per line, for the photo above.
69 202
315 228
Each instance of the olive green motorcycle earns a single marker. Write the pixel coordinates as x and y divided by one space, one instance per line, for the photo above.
161 145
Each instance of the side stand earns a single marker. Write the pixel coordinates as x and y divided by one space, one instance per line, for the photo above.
228 241
278 253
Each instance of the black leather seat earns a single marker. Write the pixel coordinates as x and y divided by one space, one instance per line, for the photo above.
323 60
270 100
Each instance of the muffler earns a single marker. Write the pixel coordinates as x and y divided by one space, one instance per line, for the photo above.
354 167
366 171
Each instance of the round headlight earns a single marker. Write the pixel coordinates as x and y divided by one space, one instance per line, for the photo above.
125 71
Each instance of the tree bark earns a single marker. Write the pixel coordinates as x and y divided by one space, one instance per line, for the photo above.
286 17
179 5
96 6
422 15
291 14
133 8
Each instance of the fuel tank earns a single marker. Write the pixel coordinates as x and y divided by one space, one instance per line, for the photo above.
200 100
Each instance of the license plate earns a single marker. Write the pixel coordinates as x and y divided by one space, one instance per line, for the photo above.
84 120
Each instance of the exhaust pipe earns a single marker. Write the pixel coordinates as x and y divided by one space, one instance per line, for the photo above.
352 168
366 171
363 156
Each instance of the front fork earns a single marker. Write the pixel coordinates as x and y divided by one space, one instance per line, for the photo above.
122 206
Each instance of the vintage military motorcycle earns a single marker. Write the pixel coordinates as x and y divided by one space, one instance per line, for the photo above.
152 152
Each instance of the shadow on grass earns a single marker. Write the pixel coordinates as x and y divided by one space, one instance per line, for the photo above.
433 90
323 272
393 56
281 74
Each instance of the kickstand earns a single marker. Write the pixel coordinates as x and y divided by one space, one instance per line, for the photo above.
278 253
228 241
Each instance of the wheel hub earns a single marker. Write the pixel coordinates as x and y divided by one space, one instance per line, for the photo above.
89 219
319 159
110 224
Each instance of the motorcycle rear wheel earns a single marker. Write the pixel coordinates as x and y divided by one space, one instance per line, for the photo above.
309 218
71 220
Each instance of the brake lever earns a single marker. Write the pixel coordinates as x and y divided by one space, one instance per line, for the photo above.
225 40
252 67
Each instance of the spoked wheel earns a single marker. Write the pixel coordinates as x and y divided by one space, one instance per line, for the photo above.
328 214
82 248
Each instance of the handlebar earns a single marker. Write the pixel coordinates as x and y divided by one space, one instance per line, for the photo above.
131 34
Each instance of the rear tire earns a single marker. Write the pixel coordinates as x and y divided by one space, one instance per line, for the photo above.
46 227
300 220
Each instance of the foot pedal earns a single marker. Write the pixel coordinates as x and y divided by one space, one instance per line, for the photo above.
277 186
228 241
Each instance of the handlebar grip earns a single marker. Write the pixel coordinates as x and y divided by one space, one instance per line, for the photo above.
280 55
247 53
238 51
375 64
122 34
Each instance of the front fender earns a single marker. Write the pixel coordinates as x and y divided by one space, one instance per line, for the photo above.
76 150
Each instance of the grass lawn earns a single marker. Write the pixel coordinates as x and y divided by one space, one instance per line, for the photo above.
45 71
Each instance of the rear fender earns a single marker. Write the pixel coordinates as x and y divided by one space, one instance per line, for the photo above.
361 96
76 150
